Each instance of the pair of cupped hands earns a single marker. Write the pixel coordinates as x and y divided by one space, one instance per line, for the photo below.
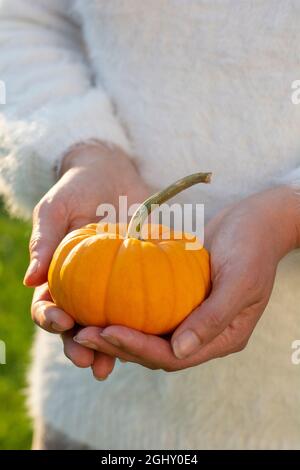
246 242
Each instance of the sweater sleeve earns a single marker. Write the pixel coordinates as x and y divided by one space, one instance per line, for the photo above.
51 102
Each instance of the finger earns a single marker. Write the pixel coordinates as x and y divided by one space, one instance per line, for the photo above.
130 345
151 351
232 340
156 353
90 337
230 295
78 354
102 366
47 315
49 227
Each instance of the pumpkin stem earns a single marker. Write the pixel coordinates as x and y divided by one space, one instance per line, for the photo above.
142 212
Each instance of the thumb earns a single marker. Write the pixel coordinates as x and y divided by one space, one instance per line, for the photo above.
49 227
225 302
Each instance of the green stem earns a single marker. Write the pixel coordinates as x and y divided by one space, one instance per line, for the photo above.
141 214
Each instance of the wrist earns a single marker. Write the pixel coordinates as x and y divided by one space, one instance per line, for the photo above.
85 155
293 215
110 165
283 203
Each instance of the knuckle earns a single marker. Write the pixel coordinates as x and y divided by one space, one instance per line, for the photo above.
167 369
50 204
235 340
39 321
33 315
40 316
170 368
240 345
153 367
253 284
214 321
66 351
223 343
35 241
250 277
238 348
40 209
36 210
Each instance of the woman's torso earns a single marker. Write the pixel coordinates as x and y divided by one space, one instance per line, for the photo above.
202 85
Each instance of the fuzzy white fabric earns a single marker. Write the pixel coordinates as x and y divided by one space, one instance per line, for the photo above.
193 85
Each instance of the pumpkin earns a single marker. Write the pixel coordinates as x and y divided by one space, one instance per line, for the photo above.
105 274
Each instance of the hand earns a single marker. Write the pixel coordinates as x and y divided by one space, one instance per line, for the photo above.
246 242
46 314
91 174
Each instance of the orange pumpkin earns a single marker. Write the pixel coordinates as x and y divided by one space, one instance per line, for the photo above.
103 277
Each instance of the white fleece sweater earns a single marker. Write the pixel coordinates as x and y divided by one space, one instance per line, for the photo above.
182 85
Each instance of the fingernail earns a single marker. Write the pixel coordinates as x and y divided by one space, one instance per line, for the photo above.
186 344
32 268
57 327
101 379
85 342
110 339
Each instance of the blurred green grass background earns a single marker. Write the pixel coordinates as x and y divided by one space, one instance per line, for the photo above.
16 330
